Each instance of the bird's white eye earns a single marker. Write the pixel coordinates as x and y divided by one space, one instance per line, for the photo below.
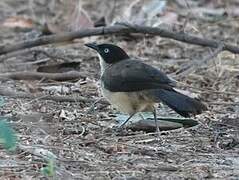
106 50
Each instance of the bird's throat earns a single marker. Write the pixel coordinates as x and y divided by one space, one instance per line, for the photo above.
103 65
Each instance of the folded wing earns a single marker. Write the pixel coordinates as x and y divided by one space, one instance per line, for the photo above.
133 75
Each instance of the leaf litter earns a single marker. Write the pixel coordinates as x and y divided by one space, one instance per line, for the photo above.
84 144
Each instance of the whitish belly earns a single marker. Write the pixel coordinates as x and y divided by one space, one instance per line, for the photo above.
127 102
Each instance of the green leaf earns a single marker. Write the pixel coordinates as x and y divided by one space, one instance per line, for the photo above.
8 136
186 122
137 117
49 170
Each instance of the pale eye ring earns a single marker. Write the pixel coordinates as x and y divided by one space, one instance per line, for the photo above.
106 50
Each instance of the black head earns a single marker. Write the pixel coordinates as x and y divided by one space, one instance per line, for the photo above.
109 52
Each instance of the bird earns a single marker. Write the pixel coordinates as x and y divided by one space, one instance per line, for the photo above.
133 86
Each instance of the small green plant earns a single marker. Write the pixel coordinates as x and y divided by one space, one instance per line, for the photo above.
8 136
50 169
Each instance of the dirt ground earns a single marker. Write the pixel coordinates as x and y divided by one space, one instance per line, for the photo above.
81 137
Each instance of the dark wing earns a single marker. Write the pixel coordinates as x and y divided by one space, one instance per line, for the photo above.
134 75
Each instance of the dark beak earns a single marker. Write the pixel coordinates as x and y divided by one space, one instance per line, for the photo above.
93 46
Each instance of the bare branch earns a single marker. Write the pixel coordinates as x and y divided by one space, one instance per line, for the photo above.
9 93
71 75
121 28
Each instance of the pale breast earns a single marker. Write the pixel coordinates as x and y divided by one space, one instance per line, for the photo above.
119 100
128 102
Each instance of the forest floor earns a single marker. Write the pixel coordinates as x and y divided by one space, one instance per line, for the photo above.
81 138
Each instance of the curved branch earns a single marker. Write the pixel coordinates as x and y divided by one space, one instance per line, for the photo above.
118 29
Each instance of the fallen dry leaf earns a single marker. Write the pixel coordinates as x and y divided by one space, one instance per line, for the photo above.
18 22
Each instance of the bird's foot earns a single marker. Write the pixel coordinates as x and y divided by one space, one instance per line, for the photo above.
159 138
119 130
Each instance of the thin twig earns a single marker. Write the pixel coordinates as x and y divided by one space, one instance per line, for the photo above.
71 75
194 65
9 93
117 29
207 91
39 51
93 105
224 103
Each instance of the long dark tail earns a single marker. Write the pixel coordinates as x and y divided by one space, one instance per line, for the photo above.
182 104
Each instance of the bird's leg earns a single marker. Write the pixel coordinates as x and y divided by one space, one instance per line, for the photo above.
155 120
122 125
120 129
